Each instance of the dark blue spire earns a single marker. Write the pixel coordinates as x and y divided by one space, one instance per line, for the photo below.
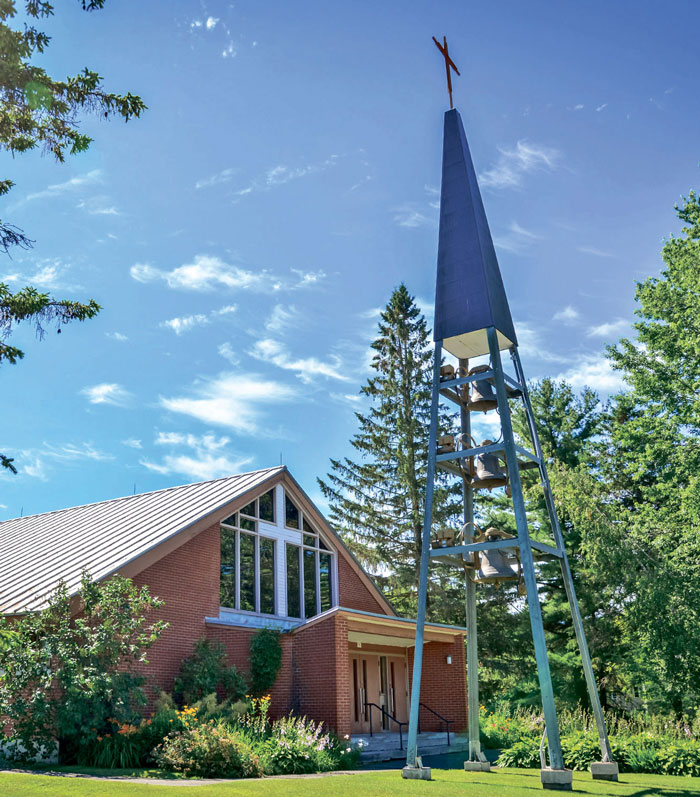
469 294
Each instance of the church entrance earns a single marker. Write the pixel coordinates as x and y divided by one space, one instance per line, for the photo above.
377 681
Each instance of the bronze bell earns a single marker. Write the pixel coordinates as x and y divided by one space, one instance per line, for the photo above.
482 398
488 470
446 444
499 564
445 538
447 372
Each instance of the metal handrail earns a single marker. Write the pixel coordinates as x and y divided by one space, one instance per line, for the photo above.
390 716
440 717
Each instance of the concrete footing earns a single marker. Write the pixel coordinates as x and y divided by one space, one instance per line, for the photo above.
556 779
605 770
477 766
416 773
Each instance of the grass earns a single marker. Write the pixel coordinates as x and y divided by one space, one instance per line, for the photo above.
501 783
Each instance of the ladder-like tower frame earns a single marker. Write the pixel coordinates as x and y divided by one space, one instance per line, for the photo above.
554 776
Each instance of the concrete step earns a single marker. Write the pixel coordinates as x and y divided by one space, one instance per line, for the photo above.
385 746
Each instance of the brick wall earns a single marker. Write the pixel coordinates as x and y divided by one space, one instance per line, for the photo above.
188 581
353 594
443 686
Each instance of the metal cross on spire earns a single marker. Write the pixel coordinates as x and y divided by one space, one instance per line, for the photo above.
449 64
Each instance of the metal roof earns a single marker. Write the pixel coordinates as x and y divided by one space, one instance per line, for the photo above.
38 551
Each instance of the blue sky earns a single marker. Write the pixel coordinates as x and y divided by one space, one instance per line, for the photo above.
243 233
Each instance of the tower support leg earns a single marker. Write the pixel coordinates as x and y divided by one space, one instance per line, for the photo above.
607 769
414 768
549 780
476 761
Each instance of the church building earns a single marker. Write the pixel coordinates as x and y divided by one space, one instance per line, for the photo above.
233 555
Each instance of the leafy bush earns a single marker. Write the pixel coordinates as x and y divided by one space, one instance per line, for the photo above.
265 660
209 750
639 753
69 677
205 671
502 728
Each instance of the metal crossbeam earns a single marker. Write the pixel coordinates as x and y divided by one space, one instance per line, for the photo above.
485 375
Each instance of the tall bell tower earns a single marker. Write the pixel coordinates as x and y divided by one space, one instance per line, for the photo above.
472 319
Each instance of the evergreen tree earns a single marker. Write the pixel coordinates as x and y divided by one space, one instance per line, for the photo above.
377 502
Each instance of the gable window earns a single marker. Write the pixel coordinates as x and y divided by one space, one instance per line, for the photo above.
310 575
247 565
291 514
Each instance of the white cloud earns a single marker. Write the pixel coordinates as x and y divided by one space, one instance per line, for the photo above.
594 371
107 393
98 206
610 329
37 462
306 368
223 176
592 250
600 107
517 240
209 273
531 344
578 107
48 274
117 336
567 315
233 400
227 352
184 324
513 164
281 174
211 23
229 51
132 442
410 214
282 319
69 185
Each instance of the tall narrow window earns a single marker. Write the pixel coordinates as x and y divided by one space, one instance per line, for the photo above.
266 505
325 581
310 584
228 568
247 572
267 575
291 514
293 581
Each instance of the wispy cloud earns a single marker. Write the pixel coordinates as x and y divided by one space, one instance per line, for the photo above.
208 273
132 442
49 274
232 399
281 174
98 206
223 176
204 457
186 323
592 250
593 371
227 352
568 315
516 240
531 344
283 318
107 393
37 463
306 368
610 329
57 189
601 107
410 214
578 107
513 164
116 336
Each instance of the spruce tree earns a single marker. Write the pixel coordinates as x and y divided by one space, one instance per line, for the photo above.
377 502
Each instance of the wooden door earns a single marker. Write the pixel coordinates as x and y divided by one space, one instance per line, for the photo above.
398 688
365 681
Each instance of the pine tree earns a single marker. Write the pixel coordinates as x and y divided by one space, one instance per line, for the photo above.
377 502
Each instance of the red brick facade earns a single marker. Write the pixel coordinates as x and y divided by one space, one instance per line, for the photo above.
314 678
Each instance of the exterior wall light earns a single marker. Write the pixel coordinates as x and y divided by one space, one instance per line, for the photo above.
449 659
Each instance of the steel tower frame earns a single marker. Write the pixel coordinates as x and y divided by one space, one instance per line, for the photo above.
553 776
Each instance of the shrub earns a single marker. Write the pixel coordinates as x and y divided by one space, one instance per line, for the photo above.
209 750
682 758
205 671
524 754
69 677
265 660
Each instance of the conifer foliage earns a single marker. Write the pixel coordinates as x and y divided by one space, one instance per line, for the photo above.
377 502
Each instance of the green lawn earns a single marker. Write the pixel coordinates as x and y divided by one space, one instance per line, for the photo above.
506 783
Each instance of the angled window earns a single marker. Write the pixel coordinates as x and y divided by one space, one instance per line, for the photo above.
291 514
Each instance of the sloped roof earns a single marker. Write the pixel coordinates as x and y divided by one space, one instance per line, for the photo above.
38 551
